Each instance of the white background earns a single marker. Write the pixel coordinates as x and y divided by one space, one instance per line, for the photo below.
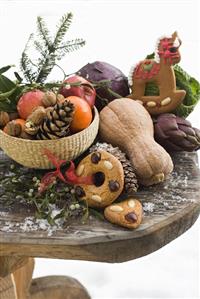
121 33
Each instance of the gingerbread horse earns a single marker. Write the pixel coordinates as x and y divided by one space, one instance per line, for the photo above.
160 71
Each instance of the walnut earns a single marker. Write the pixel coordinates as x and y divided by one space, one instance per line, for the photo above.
13 129
60 98
25 135
49 99
37 116
34 120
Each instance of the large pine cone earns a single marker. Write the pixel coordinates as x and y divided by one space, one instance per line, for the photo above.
175 133
57 122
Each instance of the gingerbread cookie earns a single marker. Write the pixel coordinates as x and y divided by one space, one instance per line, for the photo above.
108 177
127 213
160 71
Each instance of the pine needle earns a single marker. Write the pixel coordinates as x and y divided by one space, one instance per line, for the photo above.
63 26
49 51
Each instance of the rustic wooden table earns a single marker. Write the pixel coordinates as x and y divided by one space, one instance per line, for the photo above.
170 209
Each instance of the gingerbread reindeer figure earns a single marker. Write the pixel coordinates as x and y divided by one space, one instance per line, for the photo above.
160 71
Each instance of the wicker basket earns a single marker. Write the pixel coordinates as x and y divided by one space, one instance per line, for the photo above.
30 152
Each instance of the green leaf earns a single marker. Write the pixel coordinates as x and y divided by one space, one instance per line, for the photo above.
6 106
191 86
6 95
9 95
6 84
195 87
18 77
97 214
150 56
5 68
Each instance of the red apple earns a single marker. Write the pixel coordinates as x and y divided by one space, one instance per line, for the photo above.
28 102
86 91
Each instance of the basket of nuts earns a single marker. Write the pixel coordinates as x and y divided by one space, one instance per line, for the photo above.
66 126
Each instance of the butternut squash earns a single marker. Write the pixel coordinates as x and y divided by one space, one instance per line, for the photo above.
128 125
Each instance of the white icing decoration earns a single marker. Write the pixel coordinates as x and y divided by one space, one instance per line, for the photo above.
130 76
157 57
176 43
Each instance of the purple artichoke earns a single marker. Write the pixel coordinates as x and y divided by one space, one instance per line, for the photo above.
175 133
98 71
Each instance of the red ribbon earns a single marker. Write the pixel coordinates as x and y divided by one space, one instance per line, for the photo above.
70 176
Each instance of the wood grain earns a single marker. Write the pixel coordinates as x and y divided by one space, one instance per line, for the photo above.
11 263
170 209
7 288
23 278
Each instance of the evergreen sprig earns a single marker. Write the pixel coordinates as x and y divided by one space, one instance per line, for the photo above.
26 63
49 50
63 26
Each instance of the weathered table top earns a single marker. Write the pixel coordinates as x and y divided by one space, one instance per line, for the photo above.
170 209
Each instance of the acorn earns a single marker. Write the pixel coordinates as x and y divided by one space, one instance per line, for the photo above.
4 118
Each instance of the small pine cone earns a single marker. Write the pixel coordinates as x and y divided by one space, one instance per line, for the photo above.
4 118
130 180
13 129
57 121
49 99
34 120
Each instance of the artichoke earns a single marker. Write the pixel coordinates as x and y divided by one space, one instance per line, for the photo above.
175 133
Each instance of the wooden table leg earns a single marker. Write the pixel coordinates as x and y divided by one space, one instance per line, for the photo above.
23 278
19 285
7 287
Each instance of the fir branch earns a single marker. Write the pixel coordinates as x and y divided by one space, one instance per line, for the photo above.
49 51
40 48
71 45
44 32
25 62
63 26
46 66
